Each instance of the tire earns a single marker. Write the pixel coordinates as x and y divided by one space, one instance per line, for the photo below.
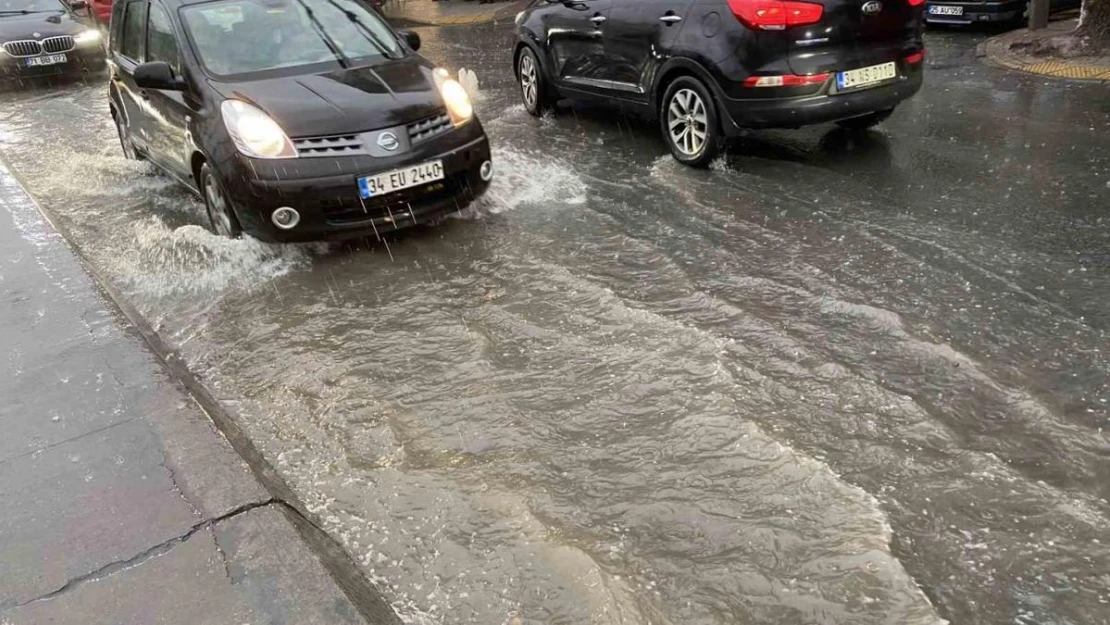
221 216
534 91
125 143
864 122
686 111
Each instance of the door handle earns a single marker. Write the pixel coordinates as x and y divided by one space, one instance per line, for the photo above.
143 94
670 19
598 19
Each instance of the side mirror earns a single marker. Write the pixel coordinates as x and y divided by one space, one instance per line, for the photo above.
158 75
410 38
77 5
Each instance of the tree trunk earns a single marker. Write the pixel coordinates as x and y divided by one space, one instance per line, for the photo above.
1094 21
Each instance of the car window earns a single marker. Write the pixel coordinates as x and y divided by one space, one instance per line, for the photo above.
160 42
243 37
131 37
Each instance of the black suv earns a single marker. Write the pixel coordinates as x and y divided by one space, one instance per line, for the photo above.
707 68
294 119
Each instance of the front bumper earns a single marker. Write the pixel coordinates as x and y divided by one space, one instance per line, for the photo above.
83 59
329 203
977 12
823 106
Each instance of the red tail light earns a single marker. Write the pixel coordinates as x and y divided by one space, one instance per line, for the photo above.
776 14
916 58
914 3
789 80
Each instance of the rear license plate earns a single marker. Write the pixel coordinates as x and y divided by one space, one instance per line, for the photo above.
940 9
398 179
49 59
865 76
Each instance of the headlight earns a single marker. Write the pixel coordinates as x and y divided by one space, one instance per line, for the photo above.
457 101
91 35
254 133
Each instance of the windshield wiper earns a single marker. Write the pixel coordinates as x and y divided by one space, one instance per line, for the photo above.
26 12
369 34
340 58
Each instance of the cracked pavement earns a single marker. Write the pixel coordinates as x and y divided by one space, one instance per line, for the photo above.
122 502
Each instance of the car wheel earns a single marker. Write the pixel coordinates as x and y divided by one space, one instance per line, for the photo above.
864 122
533 91
125 143
689 119
220 214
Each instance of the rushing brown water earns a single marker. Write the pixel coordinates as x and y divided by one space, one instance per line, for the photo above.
835 379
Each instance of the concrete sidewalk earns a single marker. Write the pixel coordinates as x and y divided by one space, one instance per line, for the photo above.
121 503
1018 50
452 12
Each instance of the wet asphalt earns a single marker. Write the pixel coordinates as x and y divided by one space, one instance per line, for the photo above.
837 378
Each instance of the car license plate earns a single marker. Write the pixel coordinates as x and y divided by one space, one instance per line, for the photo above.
940 9
865 76
398 179
49 59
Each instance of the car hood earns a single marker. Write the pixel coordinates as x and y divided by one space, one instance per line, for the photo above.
13 27
344 101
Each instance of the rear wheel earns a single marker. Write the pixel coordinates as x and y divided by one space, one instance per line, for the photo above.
689 119
533 90
864 122
220 214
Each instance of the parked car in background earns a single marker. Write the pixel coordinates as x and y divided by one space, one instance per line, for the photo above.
707 69
45 38
101 13
294 119
992 11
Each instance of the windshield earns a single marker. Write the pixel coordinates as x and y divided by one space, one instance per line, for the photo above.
19 7
236 37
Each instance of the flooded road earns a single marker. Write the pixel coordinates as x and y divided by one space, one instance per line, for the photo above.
837 378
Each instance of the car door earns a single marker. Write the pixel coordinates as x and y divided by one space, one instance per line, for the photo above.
128 47
640 36
574 32
167 112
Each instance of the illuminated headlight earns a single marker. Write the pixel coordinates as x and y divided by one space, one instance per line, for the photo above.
254 133
457 101
519 18
91 35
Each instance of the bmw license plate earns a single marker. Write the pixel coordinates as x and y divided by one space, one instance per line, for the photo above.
941 9
865 76
49 59
398 179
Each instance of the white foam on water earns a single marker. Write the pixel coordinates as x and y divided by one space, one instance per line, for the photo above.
522 178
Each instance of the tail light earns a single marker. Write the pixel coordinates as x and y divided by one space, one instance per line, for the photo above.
788 80
776 14
914 3
915 58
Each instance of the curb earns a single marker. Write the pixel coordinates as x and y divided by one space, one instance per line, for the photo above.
997 52
341 567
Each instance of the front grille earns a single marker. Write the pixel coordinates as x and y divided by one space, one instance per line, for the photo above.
23 48
339 145
427 128
54 45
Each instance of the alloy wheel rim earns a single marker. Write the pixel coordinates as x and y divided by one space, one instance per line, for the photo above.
688 122
528 80
217 207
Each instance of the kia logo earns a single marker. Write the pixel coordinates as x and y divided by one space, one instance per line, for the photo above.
388 141
872 8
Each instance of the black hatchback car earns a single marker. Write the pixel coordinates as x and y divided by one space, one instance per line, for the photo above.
708 68
294 119
45 37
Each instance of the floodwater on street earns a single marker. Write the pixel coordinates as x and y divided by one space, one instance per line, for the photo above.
836 378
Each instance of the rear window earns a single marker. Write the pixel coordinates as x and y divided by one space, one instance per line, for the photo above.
241 38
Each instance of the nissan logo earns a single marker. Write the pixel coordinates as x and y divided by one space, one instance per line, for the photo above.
872 8
388 141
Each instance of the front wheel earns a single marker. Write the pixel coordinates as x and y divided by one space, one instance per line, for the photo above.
220 214
125 143
865 121
689 120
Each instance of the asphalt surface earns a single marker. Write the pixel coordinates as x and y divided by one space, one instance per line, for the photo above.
837 378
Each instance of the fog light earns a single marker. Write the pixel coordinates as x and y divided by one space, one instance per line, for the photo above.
486 171
286 218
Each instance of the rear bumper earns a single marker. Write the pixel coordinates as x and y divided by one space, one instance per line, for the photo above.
822 107
331 207
977 12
